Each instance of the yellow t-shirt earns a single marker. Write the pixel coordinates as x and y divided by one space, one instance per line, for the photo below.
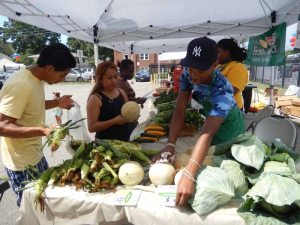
22 97
237 75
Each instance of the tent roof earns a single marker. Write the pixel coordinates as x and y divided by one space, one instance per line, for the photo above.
133 26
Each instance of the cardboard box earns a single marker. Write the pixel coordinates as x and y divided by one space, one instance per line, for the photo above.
284 100
296 102
295 111
286 110
268 91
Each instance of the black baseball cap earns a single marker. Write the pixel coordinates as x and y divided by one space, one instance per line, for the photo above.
201 54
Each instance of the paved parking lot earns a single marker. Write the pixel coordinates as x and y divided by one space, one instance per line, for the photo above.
9 211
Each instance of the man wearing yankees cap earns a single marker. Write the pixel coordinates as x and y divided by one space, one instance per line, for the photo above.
213 91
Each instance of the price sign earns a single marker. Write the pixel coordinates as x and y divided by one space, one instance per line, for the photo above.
127 197
167 194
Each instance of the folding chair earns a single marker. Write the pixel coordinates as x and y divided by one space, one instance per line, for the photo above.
265 112
273 127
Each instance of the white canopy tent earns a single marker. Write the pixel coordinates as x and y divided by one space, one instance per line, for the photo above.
171 56
153 25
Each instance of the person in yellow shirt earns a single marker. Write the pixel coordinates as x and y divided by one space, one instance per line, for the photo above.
22 113
231 58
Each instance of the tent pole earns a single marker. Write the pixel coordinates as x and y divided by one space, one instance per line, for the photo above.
96 56
272 86
158 69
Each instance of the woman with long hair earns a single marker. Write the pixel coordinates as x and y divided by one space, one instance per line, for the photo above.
231 58
105 103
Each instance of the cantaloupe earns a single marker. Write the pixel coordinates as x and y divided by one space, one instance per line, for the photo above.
162 173
131 173
130 111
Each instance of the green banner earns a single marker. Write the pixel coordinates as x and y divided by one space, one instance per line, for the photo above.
267 49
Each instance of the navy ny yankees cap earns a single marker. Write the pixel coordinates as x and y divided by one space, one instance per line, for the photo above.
201 54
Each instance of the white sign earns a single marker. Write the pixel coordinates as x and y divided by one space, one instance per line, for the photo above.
166 194
127 197
80 55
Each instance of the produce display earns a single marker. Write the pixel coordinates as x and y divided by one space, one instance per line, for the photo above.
166 109
159 123
151 133
165 96
95 167
263 175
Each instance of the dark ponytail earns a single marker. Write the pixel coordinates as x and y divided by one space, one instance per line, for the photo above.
230 44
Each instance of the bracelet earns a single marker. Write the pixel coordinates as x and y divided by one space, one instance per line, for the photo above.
193 160
170 144
188 172
189 176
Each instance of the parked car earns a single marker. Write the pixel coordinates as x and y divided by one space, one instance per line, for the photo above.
88 73
74 75
142 75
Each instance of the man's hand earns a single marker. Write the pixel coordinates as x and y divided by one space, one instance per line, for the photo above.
66 102
141 100
46 131
167 149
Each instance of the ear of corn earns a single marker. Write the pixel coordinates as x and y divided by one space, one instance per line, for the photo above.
146 139
155 128
94 166
57 134
40 185
157 133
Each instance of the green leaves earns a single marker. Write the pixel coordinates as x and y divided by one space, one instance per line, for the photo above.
27 39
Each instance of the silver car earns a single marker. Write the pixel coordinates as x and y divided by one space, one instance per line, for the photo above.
74 75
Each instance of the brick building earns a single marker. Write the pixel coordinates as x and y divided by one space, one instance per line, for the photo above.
145 61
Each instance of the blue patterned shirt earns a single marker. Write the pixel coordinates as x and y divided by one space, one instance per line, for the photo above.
219 94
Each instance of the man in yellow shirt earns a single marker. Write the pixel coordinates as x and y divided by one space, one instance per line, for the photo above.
22 113
231 58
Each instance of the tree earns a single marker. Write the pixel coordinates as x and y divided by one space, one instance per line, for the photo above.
6 48
27 39
88 49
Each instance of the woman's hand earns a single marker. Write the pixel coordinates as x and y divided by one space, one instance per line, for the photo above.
167 149
120 120
185 189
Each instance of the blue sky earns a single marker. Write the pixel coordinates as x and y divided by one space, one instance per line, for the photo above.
292 29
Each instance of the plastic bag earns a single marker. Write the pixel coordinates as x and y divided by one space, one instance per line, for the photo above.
196 105
79 134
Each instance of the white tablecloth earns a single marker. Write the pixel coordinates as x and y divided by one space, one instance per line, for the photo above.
66 206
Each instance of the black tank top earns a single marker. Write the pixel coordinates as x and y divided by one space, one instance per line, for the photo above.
109 110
